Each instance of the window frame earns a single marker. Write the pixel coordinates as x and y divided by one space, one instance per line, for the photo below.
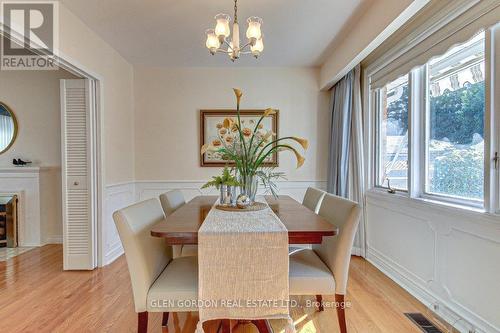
377 103
457 200
418 137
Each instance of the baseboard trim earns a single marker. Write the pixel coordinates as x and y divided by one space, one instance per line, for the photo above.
357 251
54 240
113 254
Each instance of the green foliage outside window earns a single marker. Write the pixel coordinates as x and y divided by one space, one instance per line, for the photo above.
459 114
457 120
456 115
459 172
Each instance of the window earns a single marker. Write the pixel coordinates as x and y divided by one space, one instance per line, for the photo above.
393 135
436 113
455 122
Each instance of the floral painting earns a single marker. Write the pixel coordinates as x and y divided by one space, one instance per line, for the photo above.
218 129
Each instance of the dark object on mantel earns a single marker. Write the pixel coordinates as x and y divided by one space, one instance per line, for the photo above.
20 162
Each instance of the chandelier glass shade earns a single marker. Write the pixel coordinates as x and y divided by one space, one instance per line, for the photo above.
220 40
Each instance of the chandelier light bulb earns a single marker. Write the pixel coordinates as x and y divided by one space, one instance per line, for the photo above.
212 41
258 47
222 27
253 31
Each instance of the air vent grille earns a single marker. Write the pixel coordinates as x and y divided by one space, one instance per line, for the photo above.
423 323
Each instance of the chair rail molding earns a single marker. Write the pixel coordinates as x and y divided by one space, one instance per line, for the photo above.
191 188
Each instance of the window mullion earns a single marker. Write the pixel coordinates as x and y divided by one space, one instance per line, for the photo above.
416 121
491 124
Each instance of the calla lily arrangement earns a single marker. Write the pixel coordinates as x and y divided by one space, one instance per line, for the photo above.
250 148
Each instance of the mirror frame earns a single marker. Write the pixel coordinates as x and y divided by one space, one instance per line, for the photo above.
14 119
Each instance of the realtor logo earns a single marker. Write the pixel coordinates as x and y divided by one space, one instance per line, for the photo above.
30 35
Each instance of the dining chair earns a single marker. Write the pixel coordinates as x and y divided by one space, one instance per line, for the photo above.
170 202
313 198
324 269
159 283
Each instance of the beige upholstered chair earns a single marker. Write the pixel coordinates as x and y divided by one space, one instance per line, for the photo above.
170 202
159 284
324 269
313 199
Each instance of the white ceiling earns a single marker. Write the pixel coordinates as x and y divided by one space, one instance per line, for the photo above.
172 32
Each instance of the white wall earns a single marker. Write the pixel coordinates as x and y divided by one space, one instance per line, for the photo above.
167 104
85 48
34 98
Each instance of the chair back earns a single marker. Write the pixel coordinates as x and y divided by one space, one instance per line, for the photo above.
313 198
147 256
171 201
335 251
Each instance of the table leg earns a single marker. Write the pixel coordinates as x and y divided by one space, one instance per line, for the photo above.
225 326
263 326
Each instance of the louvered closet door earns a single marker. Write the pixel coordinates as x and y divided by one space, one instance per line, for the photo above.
78 233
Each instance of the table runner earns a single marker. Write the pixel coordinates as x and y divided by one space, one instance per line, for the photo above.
243 267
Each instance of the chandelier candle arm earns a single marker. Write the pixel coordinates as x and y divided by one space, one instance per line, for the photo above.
220 36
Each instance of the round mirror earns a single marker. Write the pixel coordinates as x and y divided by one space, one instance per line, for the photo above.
8 128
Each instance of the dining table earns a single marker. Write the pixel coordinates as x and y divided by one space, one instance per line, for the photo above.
304 226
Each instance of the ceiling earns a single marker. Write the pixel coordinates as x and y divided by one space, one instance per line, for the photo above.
172 32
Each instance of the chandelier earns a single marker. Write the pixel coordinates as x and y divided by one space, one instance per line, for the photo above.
218 38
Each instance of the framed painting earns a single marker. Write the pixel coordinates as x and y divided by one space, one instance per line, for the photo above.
212 131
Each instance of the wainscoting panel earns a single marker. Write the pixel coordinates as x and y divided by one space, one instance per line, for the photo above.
117 196
410 232
446 257
470 257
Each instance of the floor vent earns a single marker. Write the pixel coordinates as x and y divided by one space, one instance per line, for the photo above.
422 322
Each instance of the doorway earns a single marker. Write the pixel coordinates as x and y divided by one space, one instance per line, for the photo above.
76 256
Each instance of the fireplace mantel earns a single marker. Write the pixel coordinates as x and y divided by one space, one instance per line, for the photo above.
25 183
20 170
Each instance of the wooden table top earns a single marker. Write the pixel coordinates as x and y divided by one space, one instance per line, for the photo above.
303 225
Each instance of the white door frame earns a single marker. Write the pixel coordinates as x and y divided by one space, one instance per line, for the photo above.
74 67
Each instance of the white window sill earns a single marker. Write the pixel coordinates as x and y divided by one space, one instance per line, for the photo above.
403 197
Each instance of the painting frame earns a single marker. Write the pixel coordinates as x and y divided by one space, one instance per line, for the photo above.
204 114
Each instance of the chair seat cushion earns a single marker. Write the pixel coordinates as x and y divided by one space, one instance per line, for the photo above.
176 289
189 250
309 275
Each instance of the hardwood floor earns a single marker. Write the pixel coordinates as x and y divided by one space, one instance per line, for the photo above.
37 295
